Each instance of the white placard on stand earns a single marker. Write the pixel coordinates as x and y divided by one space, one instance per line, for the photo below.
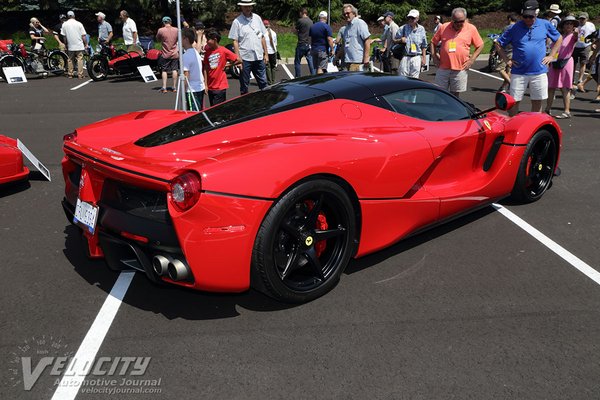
36 163
14 75
147 73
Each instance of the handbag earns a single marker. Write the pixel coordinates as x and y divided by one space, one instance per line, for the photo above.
278 55
560 63
398 50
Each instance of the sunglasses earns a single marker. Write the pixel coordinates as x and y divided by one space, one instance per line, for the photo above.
459 22
528 16
346 14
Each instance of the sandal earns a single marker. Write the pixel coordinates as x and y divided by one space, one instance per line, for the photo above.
171 89
163 90
565 115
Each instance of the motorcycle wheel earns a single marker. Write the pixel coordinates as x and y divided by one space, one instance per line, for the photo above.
9 61
97 68
57 62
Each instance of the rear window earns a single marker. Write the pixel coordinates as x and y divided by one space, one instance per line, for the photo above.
254 105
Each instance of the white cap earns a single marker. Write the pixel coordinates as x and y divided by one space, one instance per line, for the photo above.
380 19
70 14
101 15
413 13
323 14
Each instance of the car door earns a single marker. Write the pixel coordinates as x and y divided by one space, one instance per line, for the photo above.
460 142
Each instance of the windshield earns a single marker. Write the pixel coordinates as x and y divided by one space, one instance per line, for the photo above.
254 105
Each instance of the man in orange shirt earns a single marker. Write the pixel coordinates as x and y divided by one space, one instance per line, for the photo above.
452 57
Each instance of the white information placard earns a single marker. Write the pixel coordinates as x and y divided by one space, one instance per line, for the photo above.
147 73
14 75
36 163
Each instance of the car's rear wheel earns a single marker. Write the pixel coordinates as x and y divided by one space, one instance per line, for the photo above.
305 242
536 168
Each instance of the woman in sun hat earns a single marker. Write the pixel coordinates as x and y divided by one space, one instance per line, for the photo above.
560 73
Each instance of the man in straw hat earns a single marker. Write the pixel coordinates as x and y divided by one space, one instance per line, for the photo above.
248 35
553 14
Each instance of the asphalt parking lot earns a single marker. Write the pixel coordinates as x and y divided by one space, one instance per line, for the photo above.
477 308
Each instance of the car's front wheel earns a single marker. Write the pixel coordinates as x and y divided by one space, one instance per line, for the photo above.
305 242
536 168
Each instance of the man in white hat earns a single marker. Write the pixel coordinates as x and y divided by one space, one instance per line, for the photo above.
105 30
415 46
248 34
553 14
581 53
76 39
321 38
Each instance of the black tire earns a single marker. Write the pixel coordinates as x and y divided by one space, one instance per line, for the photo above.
493 61
56 62
97 67
536 168
293 265
9 61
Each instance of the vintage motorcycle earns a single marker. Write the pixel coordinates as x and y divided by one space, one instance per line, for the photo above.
110 61
39 62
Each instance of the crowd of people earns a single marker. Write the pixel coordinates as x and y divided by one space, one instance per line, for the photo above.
537 54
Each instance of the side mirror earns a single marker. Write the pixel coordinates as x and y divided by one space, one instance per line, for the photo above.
504 101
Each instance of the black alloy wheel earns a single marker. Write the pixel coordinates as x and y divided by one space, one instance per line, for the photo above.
305 242
536 168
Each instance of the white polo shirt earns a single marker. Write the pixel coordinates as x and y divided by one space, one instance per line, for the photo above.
249 32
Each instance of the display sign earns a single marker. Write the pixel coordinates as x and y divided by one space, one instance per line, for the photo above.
36 163
147 73
14 75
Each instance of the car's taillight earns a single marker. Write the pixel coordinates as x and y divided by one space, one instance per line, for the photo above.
70 137
185 191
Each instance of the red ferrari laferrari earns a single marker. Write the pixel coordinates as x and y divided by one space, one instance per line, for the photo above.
11 161
279 189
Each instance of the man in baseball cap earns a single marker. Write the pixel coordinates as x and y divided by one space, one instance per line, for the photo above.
105 30
530 66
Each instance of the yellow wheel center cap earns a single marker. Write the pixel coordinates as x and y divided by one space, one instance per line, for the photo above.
308 241
540 167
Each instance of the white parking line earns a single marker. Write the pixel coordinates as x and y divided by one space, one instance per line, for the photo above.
488 75
551 244
82 85
84 358
287 71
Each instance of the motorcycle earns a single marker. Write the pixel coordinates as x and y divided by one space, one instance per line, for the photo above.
494 58
40 62
234 70
110 61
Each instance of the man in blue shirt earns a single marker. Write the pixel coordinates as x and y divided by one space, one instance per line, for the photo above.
322 43
356 40
529 63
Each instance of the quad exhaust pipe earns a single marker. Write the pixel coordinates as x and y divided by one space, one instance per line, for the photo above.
175 269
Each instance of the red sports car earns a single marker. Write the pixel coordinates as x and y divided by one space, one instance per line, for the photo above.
11 161
279 189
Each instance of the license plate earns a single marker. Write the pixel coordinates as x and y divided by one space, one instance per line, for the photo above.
86 215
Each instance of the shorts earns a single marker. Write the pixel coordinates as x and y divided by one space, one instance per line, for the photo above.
354 67
319 59
502 65
410 66
538 86
581 54
168 64
451 80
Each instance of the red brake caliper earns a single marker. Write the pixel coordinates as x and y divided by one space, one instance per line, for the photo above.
320 225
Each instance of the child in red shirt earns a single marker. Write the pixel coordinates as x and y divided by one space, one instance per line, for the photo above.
216 58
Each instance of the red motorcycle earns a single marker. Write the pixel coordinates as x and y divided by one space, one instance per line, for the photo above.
110 61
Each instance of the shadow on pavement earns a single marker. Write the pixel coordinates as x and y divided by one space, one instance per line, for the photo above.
169 300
